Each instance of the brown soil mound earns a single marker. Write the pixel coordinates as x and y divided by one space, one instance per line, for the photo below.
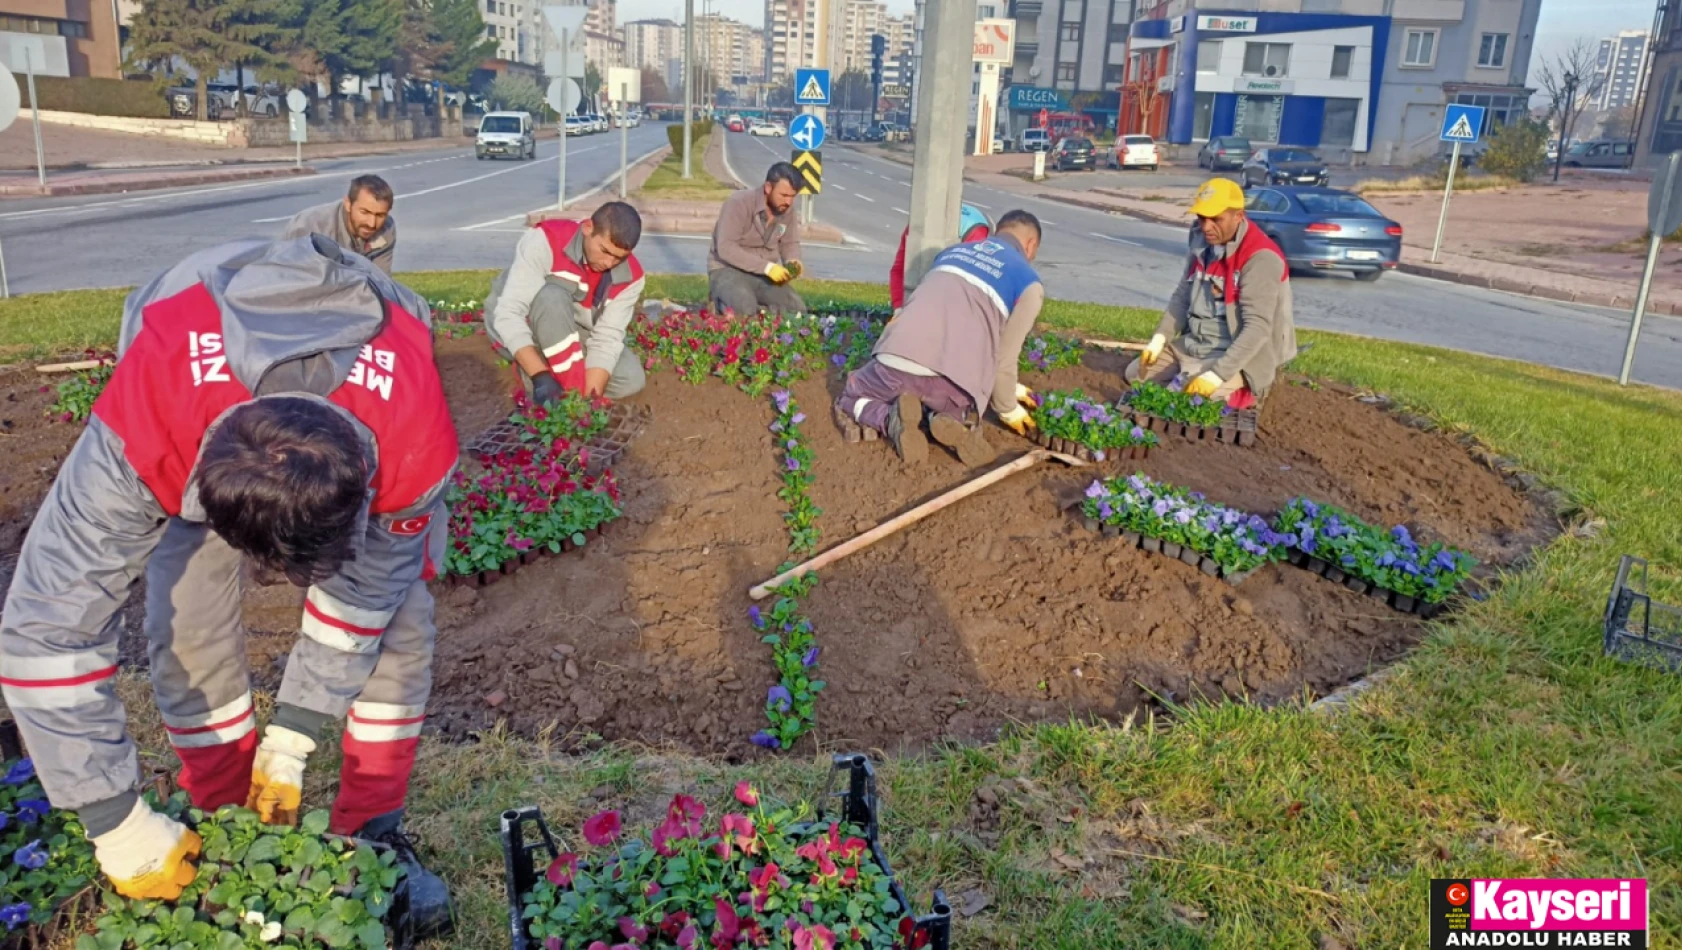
998 608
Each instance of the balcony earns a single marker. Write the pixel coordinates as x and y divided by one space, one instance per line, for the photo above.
1025 9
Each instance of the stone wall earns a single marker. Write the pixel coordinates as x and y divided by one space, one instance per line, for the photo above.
204 133
257 132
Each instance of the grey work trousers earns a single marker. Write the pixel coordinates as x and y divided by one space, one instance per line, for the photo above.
742 292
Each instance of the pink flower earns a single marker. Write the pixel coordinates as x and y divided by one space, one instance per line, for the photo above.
690 812
633 931
747 794
653 889
742 828
815 937
729 925
562 869
689 938
602 828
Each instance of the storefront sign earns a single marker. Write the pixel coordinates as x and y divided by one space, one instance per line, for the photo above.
1177 25
1035 98
1165 83
1272 87
995 41
1226 24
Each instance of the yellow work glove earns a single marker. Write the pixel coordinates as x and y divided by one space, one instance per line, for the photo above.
1152 351
1018 420
1026 397
148 856
795 269
778 274
1204 385
277 775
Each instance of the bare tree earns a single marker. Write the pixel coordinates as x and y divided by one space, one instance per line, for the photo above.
1571 78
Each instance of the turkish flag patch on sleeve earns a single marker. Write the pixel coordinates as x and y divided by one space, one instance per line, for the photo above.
410 526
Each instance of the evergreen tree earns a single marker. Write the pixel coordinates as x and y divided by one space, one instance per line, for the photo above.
205 35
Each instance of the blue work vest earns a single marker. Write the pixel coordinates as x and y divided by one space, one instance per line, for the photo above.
995 265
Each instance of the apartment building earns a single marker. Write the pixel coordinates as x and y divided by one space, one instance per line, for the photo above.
1621 63
1660 104
652 44
728 48
605 50
898 63
61 37
1365 80
1067 50
514 24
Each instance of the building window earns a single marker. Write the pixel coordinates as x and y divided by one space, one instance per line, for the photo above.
1267 59
1257 118
1339 126
1342 57
1209 56
1071 31
1419 49
1065 72
1073 11
1492 52
490 30
1118 32
1112 75
1203 115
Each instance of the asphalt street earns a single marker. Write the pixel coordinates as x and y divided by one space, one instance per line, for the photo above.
456 212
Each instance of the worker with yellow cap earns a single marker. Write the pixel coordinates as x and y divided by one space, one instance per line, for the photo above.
1227 328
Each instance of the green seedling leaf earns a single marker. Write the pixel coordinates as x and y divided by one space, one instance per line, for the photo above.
314 824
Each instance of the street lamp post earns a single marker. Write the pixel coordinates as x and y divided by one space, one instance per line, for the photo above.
1571 81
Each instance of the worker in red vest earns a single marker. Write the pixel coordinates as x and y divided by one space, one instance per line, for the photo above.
560 311
277 404
973 225
1228 326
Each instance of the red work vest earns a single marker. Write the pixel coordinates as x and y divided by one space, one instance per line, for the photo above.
174 381
561 233
1230 265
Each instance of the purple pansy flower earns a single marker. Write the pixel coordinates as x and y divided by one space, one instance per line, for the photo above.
756 617
30 856
781 398
14 915
792 463
1096 490
765 740
779 697
32 810
810 657
798 418
21 771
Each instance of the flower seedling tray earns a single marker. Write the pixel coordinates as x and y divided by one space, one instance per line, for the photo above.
1638 629
488 577
526 856
1175 552
1236 429
851 430
624 423
1335 574
1085 454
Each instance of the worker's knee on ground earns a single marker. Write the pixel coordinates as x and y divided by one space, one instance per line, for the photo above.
726 293
628 377
784 300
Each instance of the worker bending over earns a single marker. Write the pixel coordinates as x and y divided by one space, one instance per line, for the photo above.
560 311
1228 326
952 352
756 248
362 222
272 402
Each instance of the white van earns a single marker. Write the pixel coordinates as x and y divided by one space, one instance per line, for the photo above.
506 134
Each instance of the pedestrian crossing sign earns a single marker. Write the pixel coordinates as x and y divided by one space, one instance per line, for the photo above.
811 87
1462 123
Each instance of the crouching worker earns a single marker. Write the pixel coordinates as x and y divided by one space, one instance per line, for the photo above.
1228 327
560 311
951 353
273 403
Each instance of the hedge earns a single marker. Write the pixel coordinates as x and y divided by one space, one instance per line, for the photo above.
99 96
674 134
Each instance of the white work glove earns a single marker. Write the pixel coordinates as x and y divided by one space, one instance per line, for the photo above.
1152 351
1204 385
1018 420
277 775
148 856
1026 397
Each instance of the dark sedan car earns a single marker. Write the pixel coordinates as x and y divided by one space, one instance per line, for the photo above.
1074 153
1285 166
1324 229
1226 152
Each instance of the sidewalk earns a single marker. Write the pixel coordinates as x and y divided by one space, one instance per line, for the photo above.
16 184
69 147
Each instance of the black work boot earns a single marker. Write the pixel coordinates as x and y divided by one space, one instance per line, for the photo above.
968 441
905 430
430 913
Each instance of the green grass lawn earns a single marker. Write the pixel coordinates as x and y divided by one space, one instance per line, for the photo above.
1505 747
668 182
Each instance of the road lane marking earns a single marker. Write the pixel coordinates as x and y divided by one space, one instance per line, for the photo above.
980 205
837 187
1107 237
864 197
610 179
901 211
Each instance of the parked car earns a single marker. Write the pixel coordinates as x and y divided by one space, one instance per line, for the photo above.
184 103
1324 229
1036 140
505 135
1284 166
1134 151
735 124
771 129
1600 153
1224 153
1074 153
578 125
266 102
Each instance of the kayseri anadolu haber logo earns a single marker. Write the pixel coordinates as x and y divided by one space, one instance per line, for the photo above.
1539 912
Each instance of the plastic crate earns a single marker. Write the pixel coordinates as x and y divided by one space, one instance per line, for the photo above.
1639 629
525 859
624 423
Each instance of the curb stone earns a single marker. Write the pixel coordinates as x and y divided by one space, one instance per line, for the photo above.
150 184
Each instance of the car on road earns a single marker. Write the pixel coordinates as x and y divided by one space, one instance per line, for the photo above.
506 135
1324 229
578 125
1133 151
1284 166
736 123
1600 153
770 129
1074 153
1036 140
1224 153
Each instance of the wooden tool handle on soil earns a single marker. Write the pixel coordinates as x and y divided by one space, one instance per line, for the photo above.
889 527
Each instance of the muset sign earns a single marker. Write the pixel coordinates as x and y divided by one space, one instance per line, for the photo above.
1035 98
1226 24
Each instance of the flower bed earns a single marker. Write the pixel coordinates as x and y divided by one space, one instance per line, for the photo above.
1180 523
1071 423
262 885
791 705
1044 352
77 394
763 876
1169 410
47 868
1367 559
751 352
455 319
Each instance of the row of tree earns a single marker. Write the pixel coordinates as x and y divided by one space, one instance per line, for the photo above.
305 41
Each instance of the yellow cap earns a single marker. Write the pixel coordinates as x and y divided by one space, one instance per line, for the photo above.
1217 195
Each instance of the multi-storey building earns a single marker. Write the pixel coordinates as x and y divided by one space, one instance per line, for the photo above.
514 24
1365 80
791 36
728 48
1621 69
860 20
1067 52
60 37
897 62
1660 104
605 50
653 44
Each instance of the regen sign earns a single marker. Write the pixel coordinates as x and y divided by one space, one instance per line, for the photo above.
1034 98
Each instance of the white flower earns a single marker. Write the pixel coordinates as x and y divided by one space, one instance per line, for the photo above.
271 931
254 917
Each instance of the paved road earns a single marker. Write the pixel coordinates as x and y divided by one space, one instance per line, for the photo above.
456 212
1094 256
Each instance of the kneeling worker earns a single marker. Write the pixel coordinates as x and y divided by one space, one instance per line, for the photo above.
560 311
756 247
954 347
362 222
1228 325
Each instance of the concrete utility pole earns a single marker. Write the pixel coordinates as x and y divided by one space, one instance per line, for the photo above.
688 82
937 168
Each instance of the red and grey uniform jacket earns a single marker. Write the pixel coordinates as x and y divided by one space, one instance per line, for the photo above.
248 320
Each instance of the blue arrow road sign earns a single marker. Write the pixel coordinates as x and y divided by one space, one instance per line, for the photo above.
1462 123
807 132
811 87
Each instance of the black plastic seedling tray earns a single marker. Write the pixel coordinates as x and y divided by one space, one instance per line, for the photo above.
624 423
1639 629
